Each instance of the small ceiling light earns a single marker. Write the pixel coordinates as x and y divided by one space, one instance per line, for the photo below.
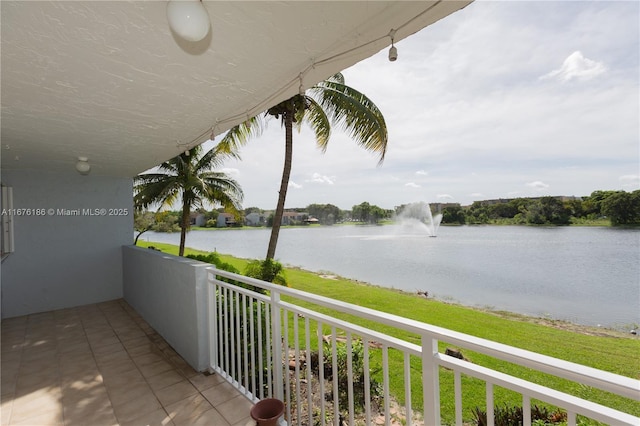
393 52
82 166
188 19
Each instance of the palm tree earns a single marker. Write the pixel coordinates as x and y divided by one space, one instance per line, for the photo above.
188 176
329 102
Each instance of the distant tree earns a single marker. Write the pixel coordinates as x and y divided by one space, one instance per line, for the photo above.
143 222
478 213
592 205
327 214
191 178
453 214
548 210
167 221
622 208
361 212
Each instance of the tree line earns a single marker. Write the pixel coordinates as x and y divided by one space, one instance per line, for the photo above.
615 207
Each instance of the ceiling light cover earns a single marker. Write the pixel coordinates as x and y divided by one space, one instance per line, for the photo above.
188 19
82 166
393 53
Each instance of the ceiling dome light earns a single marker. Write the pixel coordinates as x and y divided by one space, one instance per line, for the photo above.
82 166
188 19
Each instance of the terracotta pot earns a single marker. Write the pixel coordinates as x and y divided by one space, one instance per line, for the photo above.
267 412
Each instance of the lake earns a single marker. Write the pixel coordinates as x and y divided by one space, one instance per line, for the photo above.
586 275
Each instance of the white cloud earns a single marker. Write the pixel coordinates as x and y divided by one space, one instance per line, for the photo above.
412 185
630 182
578 67
421 173
444 197
294 185
476 195
538 185
318 178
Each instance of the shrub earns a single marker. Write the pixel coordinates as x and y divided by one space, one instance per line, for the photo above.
513 416
267 270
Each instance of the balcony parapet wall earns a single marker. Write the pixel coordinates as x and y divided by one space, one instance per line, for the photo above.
169 292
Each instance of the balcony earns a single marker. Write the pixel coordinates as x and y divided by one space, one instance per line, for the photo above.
102 364
141 360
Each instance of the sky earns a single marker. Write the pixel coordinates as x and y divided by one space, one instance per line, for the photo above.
498 100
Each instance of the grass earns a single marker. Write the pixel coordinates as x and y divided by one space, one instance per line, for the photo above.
602 349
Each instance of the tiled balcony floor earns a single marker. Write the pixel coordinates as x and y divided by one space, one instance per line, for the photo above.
103 364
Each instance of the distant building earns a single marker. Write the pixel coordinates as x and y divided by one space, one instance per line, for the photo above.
255 219
291 218
197 219
225 220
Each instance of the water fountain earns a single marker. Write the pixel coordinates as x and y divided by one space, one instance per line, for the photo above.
419 215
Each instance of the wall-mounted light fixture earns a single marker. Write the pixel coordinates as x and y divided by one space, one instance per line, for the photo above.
82 166
393 52
188 19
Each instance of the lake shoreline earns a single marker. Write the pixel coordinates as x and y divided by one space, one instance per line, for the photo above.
503 314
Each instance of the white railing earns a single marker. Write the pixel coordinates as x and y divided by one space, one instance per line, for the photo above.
265 342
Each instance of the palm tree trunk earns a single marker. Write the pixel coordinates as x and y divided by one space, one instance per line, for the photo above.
186 213
284 184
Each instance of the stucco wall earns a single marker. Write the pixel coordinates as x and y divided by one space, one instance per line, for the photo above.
64 260
170 293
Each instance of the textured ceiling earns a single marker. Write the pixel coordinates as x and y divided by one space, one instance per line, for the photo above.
109 81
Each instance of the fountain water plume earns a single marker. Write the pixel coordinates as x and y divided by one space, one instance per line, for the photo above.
419 214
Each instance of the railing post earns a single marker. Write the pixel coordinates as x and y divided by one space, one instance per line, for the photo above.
212 332
276 342
430 381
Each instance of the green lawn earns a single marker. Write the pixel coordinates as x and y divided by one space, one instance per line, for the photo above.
603 349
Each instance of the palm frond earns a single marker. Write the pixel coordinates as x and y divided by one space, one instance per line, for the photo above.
239 135
319 123
355 113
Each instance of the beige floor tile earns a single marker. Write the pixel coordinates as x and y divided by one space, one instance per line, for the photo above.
208 418
44 401
115 358
6 404
184 409
235 409
158 417
117 366
25 383
107 341
247 421
123 380
103 349
154 369
164 380
220 393
71 366
81 382
77 344
41 418
89 407
204 382
122 395
146 359
175 392
8 383
134 408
